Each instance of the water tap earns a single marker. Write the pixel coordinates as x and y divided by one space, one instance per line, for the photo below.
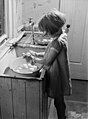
32 25
31 21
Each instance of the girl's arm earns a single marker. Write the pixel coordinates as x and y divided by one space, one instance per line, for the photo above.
50 56
47 59
36 54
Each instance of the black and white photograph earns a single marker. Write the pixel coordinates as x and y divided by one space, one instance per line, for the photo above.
43 59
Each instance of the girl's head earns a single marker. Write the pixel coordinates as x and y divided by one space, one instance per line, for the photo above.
52 22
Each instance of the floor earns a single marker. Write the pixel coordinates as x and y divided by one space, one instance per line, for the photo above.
77 103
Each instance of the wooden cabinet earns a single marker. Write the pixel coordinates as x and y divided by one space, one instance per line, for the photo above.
22 98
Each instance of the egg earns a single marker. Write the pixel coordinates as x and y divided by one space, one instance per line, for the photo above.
19 68
44 40
25 66
33 67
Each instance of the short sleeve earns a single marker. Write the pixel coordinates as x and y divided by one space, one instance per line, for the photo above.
56 46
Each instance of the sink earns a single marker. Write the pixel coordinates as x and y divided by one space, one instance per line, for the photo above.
21 68
20 65
41 39
17 55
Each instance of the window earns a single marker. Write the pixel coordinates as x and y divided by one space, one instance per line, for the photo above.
1 17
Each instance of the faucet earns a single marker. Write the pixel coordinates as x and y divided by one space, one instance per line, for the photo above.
32 24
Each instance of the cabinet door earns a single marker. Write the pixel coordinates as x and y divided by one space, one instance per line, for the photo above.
76 14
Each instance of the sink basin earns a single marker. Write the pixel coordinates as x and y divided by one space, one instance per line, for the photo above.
21 66
40 39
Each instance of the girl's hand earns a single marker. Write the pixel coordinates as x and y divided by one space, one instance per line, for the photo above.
27 56
32 53
63 36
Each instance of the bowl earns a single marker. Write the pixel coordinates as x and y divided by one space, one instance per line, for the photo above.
21 66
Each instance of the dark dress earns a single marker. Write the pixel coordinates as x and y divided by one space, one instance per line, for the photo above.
58 80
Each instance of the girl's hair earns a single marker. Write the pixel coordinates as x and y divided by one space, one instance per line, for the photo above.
52 22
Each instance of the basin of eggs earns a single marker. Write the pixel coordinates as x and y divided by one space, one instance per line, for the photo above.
26 68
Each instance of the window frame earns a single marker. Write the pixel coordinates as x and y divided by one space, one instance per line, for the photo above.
8 17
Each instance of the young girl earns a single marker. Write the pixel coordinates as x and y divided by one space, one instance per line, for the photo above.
55 60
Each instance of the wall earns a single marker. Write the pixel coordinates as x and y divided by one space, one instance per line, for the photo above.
35 8
18 12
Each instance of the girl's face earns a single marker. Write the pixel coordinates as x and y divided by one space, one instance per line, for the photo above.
46 34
